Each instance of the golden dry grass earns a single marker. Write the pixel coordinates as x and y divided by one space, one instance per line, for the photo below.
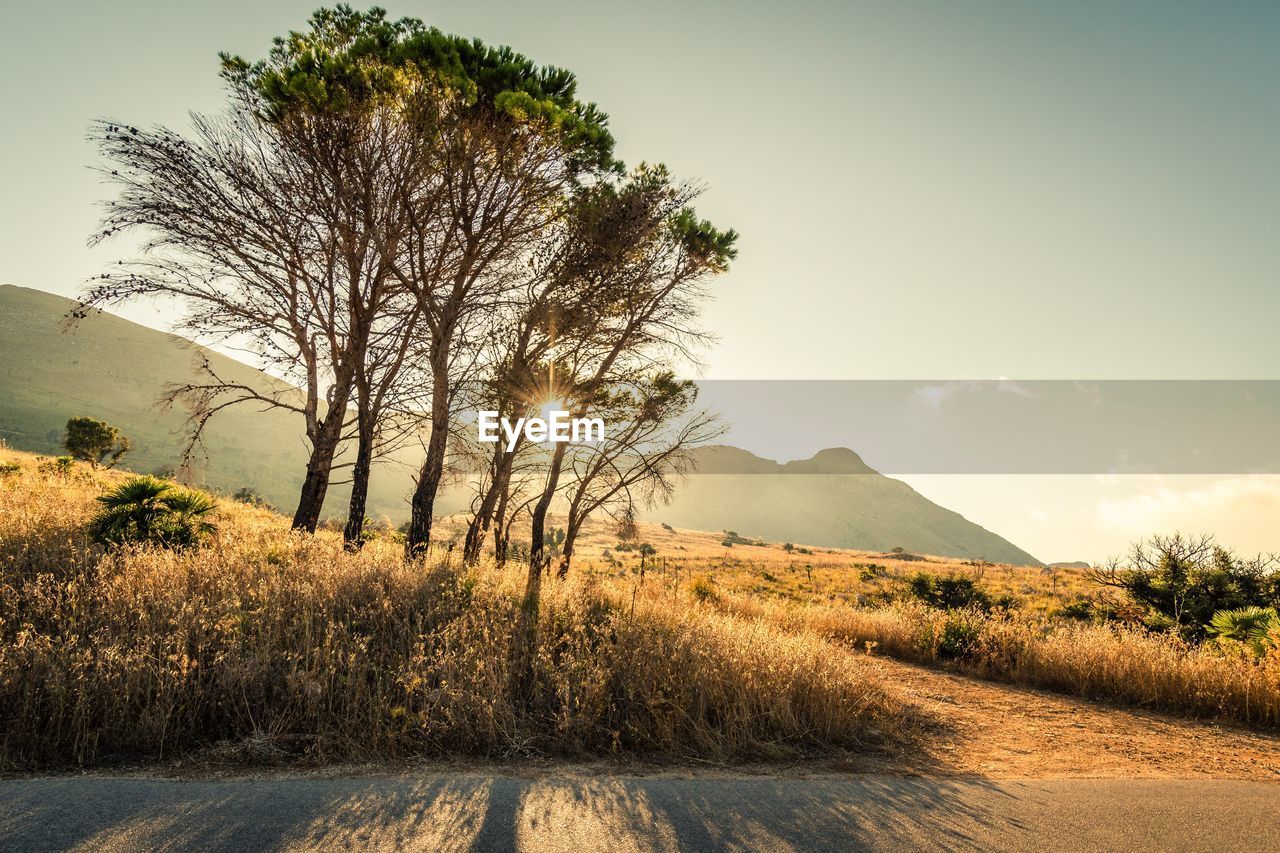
268 645
1122 664
272 646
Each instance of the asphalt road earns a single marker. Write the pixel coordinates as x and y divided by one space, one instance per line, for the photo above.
478 812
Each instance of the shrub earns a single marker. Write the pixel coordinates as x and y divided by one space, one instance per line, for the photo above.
8 469
959 637
1081 609
947 593
704 589
61 466
145 510
244 495
870 571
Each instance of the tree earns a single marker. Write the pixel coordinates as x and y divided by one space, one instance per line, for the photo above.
238 234
1183 581
495 144
647 449
95 442
651 257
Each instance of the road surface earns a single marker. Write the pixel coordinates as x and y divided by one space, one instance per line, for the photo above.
474 811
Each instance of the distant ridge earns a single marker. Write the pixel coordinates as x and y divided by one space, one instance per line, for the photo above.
833 498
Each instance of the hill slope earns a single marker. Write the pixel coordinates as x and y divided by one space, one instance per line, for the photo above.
116 370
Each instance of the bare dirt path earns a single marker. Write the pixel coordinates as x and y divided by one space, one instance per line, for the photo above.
1006 731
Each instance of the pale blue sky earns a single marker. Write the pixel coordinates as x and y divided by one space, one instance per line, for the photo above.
1086 189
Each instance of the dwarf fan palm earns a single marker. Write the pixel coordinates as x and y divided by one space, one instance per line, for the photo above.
145 509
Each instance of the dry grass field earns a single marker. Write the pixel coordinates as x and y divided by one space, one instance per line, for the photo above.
269 646
266 645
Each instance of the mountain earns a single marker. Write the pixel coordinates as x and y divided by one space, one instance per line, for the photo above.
116 370
833 499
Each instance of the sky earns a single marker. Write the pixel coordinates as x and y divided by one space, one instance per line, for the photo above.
1084 190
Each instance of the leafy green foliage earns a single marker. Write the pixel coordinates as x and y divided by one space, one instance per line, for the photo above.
351 60
1252 626
959 638
60 466
151 511
553 539
1183 582
250 496
96 442
948 593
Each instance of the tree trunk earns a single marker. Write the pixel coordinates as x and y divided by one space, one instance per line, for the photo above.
479 525
571 528
537 547
424 496
316 484
353 533
527 621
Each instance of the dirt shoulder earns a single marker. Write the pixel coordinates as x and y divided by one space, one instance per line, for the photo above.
1004 731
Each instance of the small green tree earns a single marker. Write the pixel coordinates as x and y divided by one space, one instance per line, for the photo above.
147 510
96 442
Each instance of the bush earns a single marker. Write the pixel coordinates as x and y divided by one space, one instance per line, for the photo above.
61 466
1183 581
145 510
704 589
1081 610
959 637
247 495
8 469
947 593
